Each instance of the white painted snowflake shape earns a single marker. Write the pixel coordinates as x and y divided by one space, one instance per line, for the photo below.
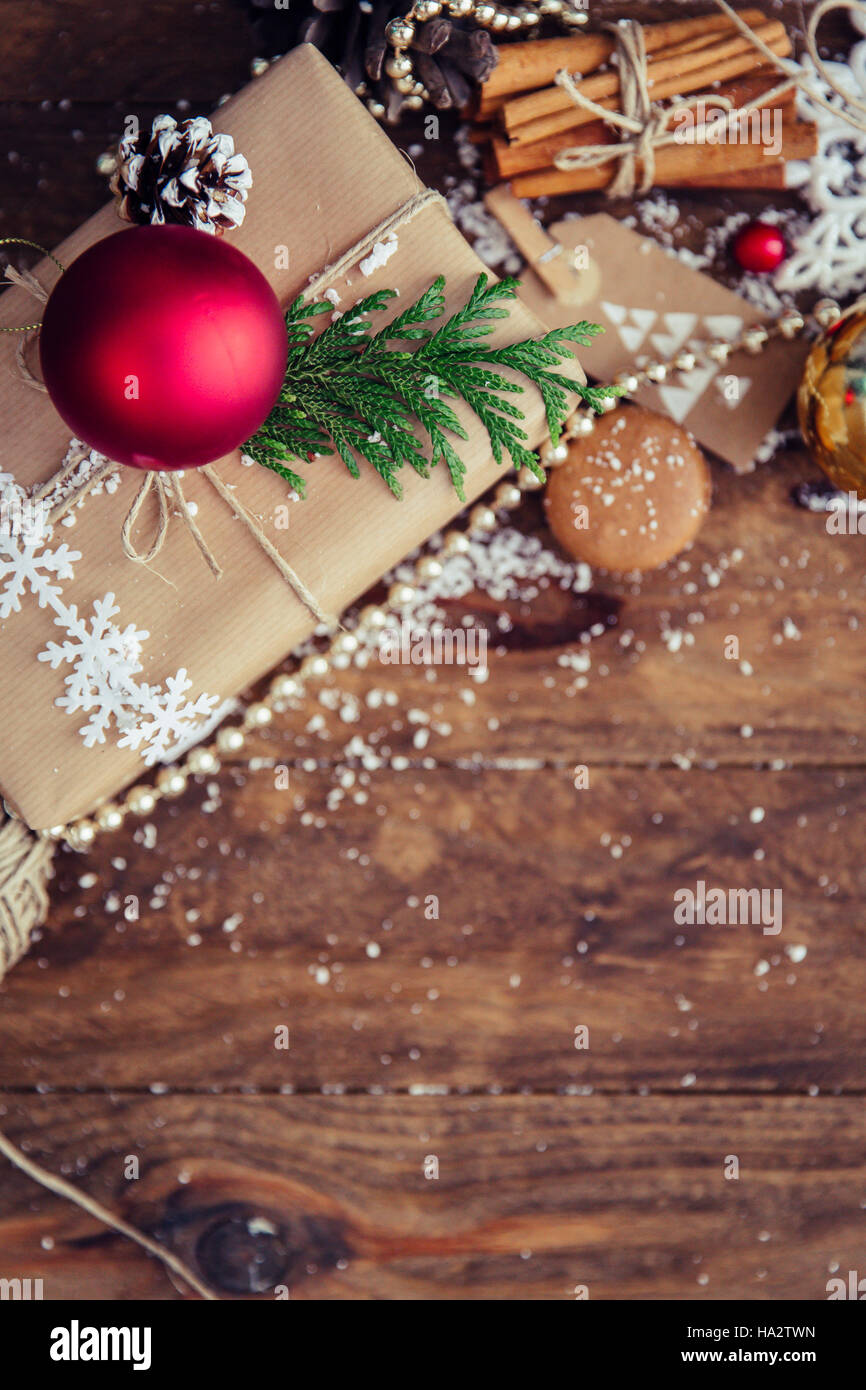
166 717
26 562
105 662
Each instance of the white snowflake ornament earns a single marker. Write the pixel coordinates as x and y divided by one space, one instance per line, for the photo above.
26 566
166 717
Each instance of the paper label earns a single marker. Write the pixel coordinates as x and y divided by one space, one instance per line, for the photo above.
652 306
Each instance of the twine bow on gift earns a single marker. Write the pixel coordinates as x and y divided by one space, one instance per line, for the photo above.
645 126
168 490
166 487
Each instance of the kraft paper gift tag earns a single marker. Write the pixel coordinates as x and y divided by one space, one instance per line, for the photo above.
652 306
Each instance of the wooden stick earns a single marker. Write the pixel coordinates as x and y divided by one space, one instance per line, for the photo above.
523 67
680 66
673 164
678 84
522 159
552 263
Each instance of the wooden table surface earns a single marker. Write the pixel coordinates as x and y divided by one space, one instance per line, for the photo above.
416 1037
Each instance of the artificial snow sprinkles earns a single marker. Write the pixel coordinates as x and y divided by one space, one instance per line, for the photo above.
105 660
379 256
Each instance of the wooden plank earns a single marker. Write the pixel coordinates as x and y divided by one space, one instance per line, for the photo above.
659 687
48 153
161 51
536 1197
556 910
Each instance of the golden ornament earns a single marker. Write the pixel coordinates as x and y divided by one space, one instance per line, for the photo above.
831 401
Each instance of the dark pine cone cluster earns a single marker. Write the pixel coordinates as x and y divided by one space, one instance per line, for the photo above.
445 56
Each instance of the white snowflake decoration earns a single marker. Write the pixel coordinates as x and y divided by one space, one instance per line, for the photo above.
829 255
167 717
29 566
104 664
105 659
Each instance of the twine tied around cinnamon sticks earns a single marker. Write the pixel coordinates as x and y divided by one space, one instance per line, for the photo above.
166 487
645 127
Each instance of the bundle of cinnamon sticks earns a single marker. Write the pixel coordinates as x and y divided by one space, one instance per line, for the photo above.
527 120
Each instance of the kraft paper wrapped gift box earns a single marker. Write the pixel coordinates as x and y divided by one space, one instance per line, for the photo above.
324 176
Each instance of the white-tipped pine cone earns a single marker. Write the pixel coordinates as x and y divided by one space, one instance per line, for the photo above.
181 174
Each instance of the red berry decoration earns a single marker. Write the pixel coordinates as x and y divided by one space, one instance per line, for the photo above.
163 347
759 247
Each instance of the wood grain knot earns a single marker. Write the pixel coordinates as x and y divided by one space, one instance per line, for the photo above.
246 1252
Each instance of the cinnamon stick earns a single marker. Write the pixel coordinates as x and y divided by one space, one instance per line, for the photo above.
673 164
524 111
510 160
770 179
676 84
522 67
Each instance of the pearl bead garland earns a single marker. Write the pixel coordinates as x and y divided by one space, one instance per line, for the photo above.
202 760
285 687
753 340
139 800
171 781
401 32
109 816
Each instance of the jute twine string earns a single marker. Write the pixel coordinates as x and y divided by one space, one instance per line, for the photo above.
166 487
797 73
644 126
25 868
427 197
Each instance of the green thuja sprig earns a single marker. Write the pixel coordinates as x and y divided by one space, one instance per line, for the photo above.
355 391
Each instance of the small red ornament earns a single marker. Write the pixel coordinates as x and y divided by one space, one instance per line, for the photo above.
759 247
163 347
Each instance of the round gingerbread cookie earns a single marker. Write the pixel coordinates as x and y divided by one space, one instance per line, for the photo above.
631 495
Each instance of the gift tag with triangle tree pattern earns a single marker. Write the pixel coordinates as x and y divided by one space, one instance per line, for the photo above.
652 306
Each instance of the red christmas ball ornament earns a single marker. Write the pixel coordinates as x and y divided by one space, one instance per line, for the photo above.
163 347
759 247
